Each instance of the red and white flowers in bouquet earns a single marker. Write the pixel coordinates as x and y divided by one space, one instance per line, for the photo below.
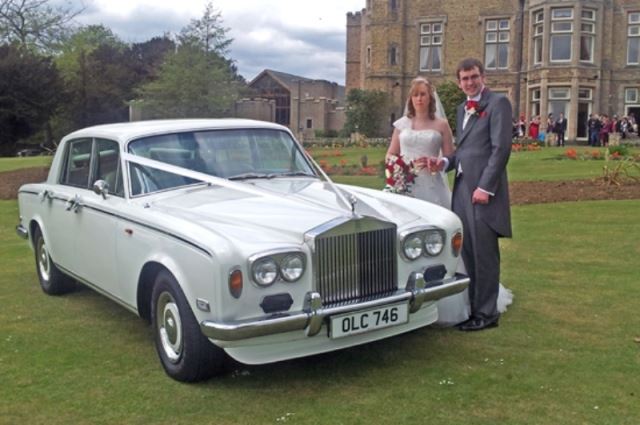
399 175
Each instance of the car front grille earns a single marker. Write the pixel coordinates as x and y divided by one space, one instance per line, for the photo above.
357 265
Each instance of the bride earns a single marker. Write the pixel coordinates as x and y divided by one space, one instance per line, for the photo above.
422 133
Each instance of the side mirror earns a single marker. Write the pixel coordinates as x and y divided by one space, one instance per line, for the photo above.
101 187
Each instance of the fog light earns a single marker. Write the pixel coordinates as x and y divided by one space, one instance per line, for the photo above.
277 302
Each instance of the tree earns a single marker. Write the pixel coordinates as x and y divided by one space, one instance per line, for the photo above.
451 96
207 33
367 112
99 78
35 23
147 57
190 85
197 80
30 92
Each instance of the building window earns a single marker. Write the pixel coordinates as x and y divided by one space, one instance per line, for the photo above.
584 94
368 56
559 98
631 95
633 44
535 103
561 33
309 123
587 35
538 31
393 55
393 5
496 49
431 35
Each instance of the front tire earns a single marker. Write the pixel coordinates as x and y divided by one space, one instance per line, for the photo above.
52 280
185 353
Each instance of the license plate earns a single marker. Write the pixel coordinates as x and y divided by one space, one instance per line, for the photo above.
369 320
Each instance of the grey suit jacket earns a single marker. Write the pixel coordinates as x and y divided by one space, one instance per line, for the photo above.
482 151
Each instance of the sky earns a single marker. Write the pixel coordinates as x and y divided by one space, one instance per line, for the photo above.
301 37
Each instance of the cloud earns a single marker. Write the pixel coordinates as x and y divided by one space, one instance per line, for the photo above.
293 36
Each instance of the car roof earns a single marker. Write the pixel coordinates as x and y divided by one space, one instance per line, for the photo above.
126 131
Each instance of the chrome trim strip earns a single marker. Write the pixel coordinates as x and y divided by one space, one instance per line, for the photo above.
311 318
22 231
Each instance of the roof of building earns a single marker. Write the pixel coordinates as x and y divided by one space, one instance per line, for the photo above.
287 80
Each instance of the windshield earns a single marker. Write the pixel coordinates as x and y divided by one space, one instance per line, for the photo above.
233 154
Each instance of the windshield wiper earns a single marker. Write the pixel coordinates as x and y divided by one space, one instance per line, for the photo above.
244 176
296 174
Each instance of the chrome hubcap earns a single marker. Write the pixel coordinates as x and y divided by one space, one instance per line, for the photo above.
169 327
43 259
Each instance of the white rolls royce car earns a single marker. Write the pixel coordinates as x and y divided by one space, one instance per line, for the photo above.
230 240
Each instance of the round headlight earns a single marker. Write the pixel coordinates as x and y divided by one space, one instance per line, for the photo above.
292 267
433 243
412 247
265 271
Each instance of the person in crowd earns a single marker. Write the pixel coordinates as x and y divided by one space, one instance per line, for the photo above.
560 127
605 129
593 126
534 127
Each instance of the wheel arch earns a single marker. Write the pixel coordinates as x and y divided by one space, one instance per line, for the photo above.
146 281
33 224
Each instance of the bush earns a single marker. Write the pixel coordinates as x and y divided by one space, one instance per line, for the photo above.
620 150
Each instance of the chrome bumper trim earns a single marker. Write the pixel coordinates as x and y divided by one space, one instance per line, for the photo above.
311 318
22 231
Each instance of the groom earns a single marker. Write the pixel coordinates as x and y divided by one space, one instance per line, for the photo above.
480 191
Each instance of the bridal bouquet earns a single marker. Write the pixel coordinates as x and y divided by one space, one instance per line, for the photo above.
399 175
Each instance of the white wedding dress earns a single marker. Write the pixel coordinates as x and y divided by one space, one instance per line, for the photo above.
435 189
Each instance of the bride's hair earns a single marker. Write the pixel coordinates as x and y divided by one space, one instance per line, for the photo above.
431 107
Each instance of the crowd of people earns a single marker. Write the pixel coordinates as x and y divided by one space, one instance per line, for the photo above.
599 128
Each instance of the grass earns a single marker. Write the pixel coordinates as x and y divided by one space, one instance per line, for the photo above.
9 164
564 353
545 164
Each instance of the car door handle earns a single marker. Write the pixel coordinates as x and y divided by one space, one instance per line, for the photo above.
74 204
47 194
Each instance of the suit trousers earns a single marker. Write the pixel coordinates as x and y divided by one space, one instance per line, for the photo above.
480 253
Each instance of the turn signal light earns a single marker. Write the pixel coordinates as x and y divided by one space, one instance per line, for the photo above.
235 283
456 243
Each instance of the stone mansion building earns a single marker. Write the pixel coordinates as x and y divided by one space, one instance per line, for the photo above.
548 56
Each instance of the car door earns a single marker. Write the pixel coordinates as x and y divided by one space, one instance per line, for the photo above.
57 203
96 220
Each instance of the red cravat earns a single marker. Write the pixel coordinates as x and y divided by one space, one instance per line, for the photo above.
471 104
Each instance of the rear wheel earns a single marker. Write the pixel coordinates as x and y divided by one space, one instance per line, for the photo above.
185 353
52 280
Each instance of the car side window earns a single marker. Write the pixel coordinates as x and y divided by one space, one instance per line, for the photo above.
108 166
78 163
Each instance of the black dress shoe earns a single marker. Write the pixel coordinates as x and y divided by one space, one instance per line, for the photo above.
466 322
477 324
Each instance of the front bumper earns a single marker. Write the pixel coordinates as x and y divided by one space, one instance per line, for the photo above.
22 231
311 318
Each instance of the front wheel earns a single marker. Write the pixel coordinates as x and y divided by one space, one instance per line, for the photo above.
185 353
52 280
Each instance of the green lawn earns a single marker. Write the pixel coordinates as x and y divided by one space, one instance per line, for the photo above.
545 164
564 352
8 164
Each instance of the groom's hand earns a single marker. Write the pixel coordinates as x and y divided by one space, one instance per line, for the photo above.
480 197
